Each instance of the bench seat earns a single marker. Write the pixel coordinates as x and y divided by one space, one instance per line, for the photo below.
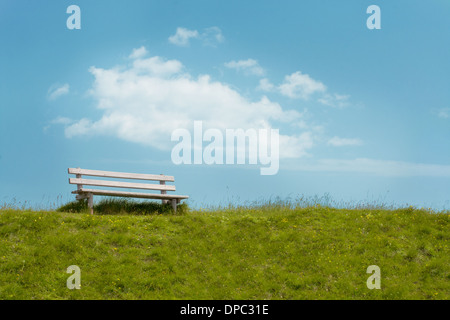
129 194
83 193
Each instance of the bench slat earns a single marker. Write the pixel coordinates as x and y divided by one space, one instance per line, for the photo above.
121 175
116 184
129 194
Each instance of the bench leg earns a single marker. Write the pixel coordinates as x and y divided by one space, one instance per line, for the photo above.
174 205
163 183
91 202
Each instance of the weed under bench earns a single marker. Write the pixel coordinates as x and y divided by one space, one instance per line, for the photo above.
83 193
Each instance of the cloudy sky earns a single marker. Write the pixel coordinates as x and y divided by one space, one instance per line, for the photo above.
363 115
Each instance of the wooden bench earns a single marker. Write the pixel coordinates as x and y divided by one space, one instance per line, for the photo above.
83 193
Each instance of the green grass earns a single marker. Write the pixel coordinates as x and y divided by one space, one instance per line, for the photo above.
271 251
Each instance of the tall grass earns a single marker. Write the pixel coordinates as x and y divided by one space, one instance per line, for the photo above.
303 202
122 206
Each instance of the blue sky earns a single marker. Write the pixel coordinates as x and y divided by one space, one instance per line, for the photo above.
365 113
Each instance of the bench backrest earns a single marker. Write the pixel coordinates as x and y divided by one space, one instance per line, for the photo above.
79 181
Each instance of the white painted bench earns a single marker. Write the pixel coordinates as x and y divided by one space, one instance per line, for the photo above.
83 193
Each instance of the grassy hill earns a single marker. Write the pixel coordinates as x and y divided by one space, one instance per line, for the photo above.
261 252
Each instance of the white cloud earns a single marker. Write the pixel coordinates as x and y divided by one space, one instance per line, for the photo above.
340 142
209 37
138 53
146 101
182 36
157 66
61 120
305 141
444 113
212 36
56 91
265 85
373 166
249 67
79 128
299 85
335 100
